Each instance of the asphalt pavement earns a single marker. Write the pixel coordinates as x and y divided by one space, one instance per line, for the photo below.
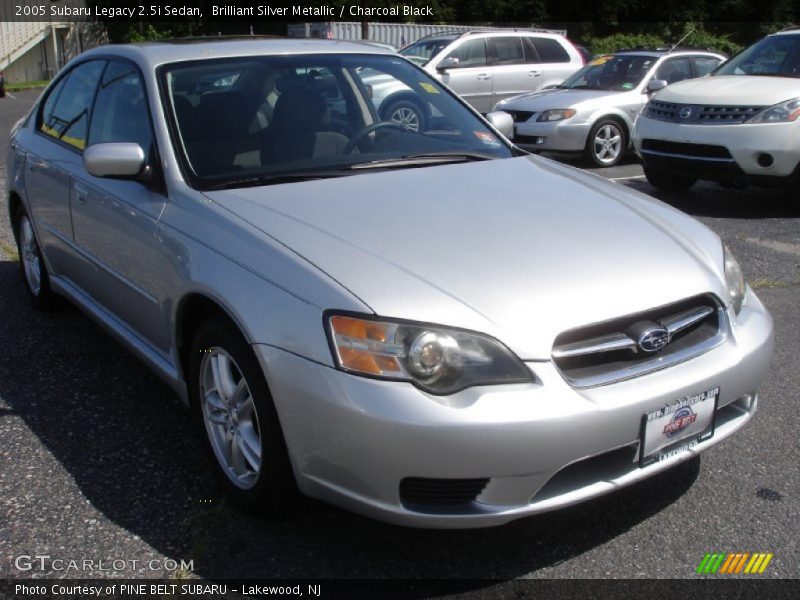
99 462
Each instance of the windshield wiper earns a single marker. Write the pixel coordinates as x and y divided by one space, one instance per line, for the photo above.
427 158
273 179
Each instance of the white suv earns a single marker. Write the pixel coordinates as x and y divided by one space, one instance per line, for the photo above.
485 67
739 126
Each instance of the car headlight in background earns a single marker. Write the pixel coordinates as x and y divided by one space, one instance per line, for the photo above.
439 360
779 113
556 114
734 280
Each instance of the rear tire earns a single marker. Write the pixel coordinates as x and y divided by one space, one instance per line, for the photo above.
238 420
667 180
32 266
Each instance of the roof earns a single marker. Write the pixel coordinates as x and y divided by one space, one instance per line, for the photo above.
179 50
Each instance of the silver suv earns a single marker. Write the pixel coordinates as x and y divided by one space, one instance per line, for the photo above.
485 67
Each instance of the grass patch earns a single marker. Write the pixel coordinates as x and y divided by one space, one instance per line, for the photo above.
759 284
8 250
26 85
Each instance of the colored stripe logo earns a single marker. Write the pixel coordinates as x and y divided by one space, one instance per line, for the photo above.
736 563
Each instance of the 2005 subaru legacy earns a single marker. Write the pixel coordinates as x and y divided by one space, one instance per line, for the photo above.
429 327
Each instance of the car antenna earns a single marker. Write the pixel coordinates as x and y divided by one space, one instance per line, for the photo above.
678 43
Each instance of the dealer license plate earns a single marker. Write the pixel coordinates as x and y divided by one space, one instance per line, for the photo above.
677 426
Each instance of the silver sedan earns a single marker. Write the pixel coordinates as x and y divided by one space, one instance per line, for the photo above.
429 327
594 109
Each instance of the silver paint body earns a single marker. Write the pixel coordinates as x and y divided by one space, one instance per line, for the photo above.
570 135
525 249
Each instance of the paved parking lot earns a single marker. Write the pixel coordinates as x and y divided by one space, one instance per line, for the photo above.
99 462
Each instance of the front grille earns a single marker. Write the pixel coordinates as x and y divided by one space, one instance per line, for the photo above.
699 114
684 149
421 491
611 351
520 116
662 111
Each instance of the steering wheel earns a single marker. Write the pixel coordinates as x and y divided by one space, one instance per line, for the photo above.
364 131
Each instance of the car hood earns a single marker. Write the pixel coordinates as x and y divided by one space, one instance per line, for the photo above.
554 98
749 90
519 248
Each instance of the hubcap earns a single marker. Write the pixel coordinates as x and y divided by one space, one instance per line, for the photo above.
607 144
230 417
407 117
31 264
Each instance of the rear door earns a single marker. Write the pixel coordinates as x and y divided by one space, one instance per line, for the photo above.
555 63
116 221
472 80
54 159
514 70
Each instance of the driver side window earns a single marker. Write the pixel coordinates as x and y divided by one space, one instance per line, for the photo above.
471 53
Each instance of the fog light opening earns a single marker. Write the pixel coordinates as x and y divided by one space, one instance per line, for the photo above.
765 160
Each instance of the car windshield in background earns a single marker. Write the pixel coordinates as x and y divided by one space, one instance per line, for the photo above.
258 120
776 56
617 73
424 50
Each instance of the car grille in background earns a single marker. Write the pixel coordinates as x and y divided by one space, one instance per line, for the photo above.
699 114
423 492
606 352
689 150
520 116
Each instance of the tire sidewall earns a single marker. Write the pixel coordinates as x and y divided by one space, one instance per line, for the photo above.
397 104
589 151
45 299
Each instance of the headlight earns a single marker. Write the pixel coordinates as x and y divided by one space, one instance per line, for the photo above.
734 279
556 114
780 113
437 359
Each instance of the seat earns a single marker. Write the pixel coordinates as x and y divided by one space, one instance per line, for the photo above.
295 131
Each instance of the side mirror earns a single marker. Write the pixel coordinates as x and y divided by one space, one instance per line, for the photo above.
115 160
451 62
503 122
655 85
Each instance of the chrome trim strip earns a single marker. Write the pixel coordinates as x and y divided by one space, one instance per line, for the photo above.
603 343
687 156
686 319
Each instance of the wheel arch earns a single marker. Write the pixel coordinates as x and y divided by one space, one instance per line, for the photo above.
618 118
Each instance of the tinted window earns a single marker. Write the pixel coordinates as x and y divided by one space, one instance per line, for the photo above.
471 53
120 111
674 70
68 117
703 65
777 56
550 51
508 51
618 73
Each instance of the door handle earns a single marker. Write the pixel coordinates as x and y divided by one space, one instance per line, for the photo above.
36 165
484 76
81 192
534 74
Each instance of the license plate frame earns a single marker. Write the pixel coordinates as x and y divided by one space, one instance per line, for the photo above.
695 414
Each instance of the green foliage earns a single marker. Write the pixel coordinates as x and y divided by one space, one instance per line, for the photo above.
148 34
690 35
620 41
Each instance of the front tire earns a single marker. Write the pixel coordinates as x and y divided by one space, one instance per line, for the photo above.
606 143
32 266
407 113
667 180
237 416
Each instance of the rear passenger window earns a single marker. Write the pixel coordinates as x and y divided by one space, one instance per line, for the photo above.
471 53
66 117
508 50
550 51
120 111
675 70
703 65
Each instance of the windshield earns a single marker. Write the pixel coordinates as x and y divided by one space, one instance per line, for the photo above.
776 56
251 120
424 50
616 73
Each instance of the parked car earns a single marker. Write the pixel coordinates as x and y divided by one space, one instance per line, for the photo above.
594 109
485 67
432 328
738 127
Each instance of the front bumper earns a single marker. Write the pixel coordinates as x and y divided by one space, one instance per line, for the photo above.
353 440
744 143
557 136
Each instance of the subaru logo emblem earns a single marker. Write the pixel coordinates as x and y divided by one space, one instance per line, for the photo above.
653 339
685 112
